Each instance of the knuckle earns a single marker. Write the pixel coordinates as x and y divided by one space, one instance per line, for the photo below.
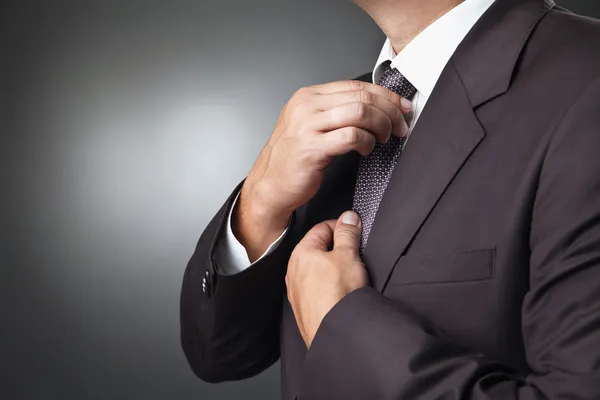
308 156
360 110
390 96
302 101
356 85
367 147
301 106
319 157
347 233
365 97
293 259
300 96
352 135
294 98
302 91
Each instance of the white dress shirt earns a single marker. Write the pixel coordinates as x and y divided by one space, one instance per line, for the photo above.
421 62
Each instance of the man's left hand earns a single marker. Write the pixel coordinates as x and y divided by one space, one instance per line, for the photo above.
318 278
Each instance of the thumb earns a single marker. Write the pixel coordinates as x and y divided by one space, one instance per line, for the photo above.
347 231
320 236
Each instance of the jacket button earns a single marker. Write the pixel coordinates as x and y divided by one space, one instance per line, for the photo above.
206 283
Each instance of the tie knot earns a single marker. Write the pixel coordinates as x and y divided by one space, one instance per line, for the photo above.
392 79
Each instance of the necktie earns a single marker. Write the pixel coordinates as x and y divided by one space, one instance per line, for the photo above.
375 170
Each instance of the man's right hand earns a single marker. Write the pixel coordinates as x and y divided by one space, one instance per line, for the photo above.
317 124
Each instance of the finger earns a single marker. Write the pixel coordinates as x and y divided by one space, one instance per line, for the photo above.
354 85
319 236
328 101
347 232
356 114
344 140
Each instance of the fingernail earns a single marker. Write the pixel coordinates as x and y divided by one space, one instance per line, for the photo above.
350 218
406 103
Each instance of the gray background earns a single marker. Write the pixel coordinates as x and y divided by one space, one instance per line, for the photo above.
124 126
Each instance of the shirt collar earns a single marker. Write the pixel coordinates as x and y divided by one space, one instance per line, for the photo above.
424 58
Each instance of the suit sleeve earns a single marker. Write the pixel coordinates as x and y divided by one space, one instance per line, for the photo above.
230 323
230 254
370 347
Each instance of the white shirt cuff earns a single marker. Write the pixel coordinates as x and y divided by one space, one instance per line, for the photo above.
231 255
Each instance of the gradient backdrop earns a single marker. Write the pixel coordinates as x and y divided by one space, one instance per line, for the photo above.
124 126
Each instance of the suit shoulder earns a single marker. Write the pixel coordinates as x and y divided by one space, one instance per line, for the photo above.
562 49
573 34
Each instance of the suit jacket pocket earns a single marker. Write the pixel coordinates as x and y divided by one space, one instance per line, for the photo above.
461 266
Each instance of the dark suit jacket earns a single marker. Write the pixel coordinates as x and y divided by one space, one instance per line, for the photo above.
484 258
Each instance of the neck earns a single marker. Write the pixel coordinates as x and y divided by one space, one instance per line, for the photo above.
402 20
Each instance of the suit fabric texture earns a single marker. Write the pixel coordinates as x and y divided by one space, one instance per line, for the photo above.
484 257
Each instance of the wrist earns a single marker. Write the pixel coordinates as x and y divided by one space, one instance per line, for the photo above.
255 201
256 224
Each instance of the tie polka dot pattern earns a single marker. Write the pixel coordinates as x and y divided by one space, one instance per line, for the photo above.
375 170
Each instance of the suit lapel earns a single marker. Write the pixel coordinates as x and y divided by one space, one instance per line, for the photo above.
445 135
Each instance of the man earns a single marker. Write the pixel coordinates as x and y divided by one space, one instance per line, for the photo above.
473 271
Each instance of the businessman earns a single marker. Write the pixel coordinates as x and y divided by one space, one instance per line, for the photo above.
430 230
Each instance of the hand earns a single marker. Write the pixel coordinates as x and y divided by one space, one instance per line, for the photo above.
317 124
317 278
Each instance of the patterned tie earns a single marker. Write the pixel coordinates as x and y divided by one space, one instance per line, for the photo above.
375 170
